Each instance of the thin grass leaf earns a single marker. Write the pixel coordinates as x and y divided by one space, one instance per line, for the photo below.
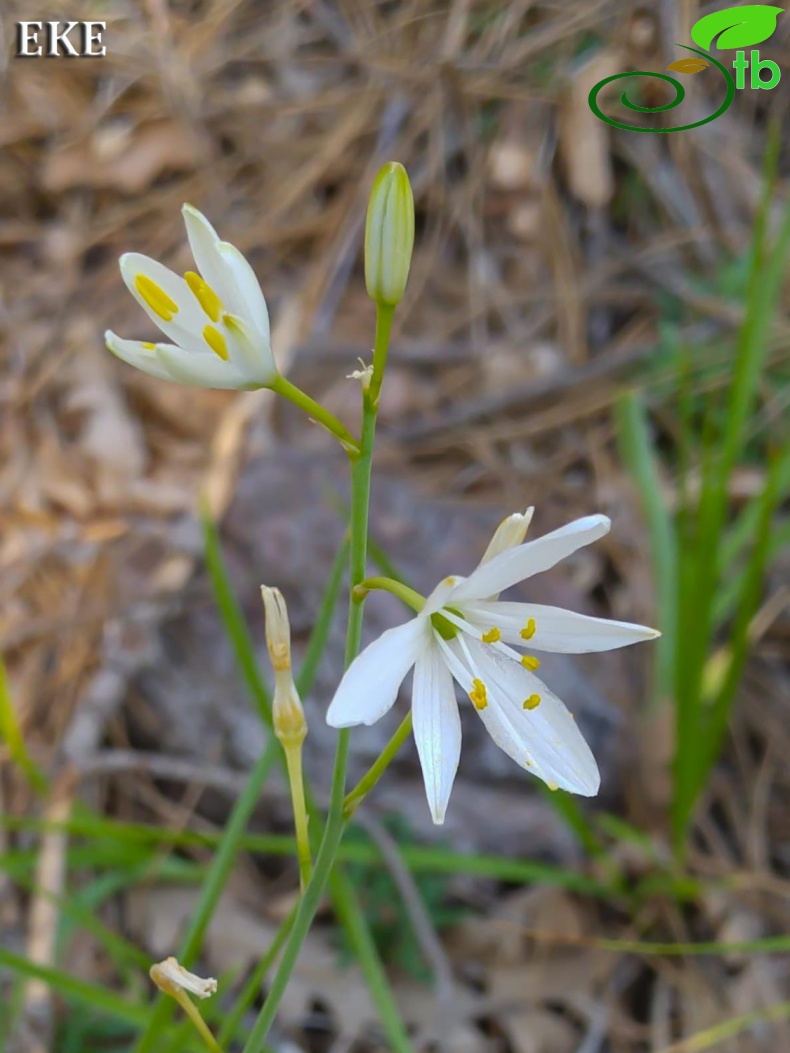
637 452
11 734
715 723
233 620
419 858
352 917
99 999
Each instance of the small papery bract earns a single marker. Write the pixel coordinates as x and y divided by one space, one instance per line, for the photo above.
464 633
215 318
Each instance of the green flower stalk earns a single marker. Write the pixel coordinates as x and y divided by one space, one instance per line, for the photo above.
389 235
288 717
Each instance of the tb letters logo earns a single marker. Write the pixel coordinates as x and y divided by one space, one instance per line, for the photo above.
734 27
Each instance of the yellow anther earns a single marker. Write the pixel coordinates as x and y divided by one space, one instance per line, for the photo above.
216 341
552 786
204 295
532 702
492 636
478 695
529 629
528 762
156 297
529 661
148 346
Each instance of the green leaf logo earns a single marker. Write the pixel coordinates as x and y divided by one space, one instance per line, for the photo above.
736 27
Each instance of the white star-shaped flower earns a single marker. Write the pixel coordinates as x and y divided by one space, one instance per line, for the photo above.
215 318
464 633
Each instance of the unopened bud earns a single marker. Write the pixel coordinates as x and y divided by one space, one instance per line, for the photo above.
172 979
389 235
288 717
508 534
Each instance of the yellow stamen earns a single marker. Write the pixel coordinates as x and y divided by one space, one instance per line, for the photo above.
156 297
532 702
529 661
204 295
529 629
478 695
528 762
216 341
492 636
148 346
552 786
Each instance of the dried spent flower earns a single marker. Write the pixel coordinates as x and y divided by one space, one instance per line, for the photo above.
288 717
173 979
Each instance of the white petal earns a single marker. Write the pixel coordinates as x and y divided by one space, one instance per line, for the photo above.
201 371
251 355
516 564
204 243
437 728
441 594
252 301
227 272
372 681
136 354
556 629
545 741
186 326
508 534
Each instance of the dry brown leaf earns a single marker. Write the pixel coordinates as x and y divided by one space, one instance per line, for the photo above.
584 139
109 434
122 157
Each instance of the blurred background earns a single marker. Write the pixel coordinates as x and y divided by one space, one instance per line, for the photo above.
594 323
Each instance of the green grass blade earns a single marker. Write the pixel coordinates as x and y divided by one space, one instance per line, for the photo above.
637 452
233 620
352 917
219 872
98 998
11 734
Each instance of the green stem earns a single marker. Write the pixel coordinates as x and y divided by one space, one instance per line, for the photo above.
384 315
355 797
333 831
201 1026
317 412
409 596
293 759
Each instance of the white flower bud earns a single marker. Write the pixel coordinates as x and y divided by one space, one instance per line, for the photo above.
508 534
389 235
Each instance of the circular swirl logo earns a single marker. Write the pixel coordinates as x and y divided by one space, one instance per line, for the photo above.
733 27
680 94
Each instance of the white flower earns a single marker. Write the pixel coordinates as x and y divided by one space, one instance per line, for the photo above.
173 978
465 633
216 320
